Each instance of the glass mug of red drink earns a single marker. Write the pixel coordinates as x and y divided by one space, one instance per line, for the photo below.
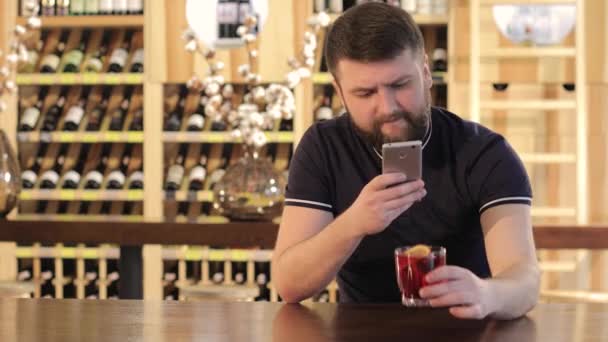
413 263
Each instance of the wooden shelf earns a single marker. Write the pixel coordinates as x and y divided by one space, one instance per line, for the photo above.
66 252
199 253
420 19
89 21
548 158
529 104
81 137
189 196
526 2
553 212
222 137
84 78
67 218
82 195
529 52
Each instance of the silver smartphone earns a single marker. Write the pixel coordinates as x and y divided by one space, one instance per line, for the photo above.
404 157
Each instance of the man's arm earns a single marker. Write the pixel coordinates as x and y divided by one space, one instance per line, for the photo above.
513 289
311 249
512 258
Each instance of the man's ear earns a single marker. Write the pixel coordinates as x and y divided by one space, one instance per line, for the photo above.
338 89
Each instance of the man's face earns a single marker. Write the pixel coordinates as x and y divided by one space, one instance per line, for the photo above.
389 100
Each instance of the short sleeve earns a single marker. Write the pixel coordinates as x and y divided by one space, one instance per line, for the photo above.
308 184
497 175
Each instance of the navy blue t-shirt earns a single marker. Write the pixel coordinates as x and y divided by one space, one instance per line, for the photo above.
466 169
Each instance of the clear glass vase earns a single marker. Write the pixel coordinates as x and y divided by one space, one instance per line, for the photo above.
10 179
251 189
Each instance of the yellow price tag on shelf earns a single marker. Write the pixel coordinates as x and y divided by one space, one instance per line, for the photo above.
112 136
65 137
26 195
66 195
135 195
89 195
135 137
217 255
133 78
113 79
67 78
90 78
205 196
240 255
46 79
89 137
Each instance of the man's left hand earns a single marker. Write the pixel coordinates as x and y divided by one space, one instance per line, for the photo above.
467 295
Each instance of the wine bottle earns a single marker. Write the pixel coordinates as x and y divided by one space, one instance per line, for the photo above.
50 178
174 122
73 58
175 175
50 62
52 115
137 124
135 182
29 177
325 112
336 6
74 115
196 121
228 18
117 178
29 119
137 65
77 7
117 117
320 6
48 7
119 7
63 7
91 7
136 6
216 270
182 209
95 61
118 60
440 60
239 272
218 173
71 180
196 179
218 124
106 7
94 178
97 114
262 272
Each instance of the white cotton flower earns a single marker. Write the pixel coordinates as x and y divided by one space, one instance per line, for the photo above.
304 72
310 62
259 94
225 108
236 134
243 70
210 111
191 46
323 19
215 101
212 89
241 31
256 119
228 91
259 139
293 79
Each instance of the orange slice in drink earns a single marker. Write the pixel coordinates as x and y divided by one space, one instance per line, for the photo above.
419 251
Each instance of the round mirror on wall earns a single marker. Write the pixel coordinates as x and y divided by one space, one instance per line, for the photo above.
535 24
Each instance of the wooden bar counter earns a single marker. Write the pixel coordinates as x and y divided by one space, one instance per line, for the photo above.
85 320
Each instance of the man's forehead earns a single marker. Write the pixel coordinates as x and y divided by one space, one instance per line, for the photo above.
353 73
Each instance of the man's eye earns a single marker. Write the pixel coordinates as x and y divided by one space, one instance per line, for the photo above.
365 94
400 85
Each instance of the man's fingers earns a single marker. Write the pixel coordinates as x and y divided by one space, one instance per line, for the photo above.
467 312
405 201
401 190
453 298
446 273
384 180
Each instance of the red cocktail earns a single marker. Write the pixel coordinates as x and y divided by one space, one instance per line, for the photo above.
412 264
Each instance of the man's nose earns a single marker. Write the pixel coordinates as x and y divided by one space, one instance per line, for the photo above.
387 102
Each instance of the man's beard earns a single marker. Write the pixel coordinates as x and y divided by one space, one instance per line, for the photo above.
417 124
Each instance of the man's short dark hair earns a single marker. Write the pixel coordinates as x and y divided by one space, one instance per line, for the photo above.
371 32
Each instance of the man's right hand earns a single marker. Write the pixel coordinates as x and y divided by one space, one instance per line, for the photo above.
378 204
